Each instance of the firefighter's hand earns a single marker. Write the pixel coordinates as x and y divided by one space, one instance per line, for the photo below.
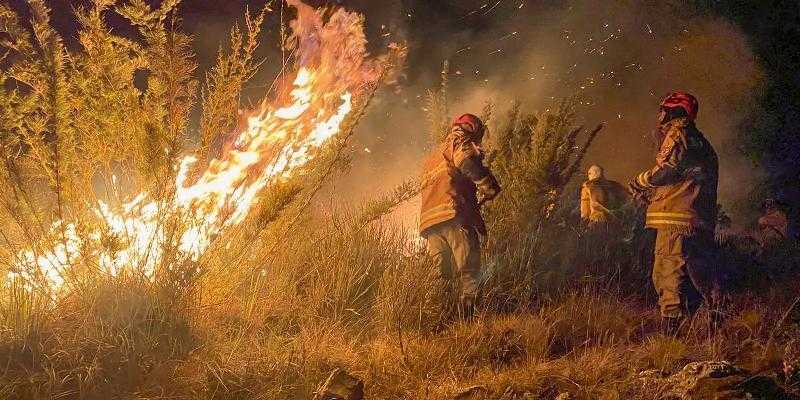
635 188
488 188
638 192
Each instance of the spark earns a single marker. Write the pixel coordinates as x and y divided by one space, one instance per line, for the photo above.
493 7
611 36
512 34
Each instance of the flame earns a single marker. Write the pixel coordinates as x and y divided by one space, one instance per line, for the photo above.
279 138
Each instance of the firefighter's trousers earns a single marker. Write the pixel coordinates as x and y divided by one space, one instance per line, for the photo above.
684 272
456 249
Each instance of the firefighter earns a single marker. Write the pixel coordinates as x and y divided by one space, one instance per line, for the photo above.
600 198
601 205
773 225
450 219
681 190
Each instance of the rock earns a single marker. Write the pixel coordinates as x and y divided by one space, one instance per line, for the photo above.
708 380
712 380
340 385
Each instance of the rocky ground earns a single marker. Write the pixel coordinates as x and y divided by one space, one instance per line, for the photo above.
707 380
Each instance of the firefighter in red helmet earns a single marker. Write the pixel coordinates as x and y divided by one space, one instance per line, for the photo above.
454 177
681 190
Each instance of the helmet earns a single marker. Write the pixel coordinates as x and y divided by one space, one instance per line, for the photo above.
682 100
470 123
595 172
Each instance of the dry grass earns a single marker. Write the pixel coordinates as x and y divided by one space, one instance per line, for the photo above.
359 302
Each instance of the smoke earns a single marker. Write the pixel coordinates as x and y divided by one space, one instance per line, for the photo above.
620 58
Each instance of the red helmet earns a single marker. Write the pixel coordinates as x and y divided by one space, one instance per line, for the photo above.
473 123
682 100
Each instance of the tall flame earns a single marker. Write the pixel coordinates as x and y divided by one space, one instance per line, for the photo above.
332 64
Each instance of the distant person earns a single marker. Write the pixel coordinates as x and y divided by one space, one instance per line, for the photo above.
450 218
604 239
773 225
681 190
601 198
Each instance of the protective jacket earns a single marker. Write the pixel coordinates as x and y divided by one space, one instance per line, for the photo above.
599 198
453 175
683 183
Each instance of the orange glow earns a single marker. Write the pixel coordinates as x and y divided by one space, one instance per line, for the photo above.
279 138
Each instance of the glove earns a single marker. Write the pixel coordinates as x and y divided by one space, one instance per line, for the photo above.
488 187
635 188
638 192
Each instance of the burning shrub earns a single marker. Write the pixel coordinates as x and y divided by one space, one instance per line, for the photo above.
534 156
53 157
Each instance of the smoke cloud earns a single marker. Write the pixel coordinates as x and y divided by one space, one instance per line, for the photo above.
620 58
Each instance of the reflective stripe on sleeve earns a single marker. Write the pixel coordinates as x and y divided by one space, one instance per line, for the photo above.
441 168
643 181
677 215
668 222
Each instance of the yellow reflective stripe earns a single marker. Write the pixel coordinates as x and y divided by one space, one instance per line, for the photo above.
440 169
670 215
438 217
668 222
640 179
443 206
429 216
643 180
